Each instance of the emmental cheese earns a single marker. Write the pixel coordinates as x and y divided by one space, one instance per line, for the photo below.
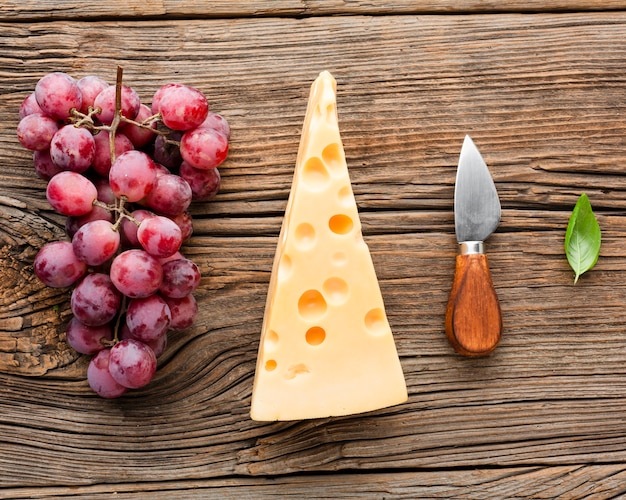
326 345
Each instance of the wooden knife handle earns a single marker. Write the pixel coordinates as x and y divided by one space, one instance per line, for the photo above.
473 316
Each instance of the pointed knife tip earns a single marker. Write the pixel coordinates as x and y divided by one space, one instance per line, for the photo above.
469 145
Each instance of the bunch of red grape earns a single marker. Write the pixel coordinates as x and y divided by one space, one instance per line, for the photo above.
124 174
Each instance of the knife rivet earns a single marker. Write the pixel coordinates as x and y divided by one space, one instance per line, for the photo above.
471 247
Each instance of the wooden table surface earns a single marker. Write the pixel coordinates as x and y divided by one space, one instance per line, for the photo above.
541 87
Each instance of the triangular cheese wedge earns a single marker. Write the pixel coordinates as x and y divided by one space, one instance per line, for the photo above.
326 346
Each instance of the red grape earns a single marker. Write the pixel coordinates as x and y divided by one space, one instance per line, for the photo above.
100 379
132 363
148 318
159 236
73 223
136 273
180 278
166 151
102 157
105 193
158 95
129 228
132 175
203 148
170 195
158 345
105 100
90 86
140 136
57 93
73 148
35 131
182 107
161 169
87 339
183 311
204 184
57 266
95 301
96 242
174 256
29 106
216 122
70 193
45 168
185 223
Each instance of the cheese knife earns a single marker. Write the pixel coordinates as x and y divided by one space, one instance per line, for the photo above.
473 318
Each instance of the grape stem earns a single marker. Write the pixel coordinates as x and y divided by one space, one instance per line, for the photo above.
118 112
119 207
122 212
116 328
118 118
87 120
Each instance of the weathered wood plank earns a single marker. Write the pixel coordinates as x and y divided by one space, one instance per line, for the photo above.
420 83
511 409
542 96
46 10
571 482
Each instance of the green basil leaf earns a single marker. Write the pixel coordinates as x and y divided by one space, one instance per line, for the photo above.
582 238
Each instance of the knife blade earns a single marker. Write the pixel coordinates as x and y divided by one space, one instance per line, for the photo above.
473 321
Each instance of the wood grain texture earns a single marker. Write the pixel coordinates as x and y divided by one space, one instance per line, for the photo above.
12 10
591 481
543 98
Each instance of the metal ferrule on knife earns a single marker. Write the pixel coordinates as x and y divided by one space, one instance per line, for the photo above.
471 247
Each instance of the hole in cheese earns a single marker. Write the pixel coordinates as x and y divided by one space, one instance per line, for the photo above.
340 224
271 340
336 290
330 112
305 236
312 305
345 196
315 335
270 365
340 258
284 267
314 174
375 321
333 156
295 370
